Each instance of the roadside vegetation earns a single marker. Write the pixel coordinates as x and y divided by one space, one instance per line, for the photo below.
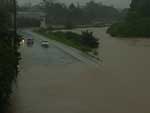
85 42
92 13
9 58
136 23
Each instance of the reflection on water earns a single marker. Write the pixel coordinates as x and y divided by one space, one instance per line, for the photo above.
120 85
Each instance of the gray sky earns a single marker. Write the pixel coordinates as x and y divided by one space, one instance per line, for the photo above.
116 3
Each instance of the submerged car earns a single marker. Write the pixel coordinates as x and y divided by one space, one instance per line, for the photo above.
30 41
45 44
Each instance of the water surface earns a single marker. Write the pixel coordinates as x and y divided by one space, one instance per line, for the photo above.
58 83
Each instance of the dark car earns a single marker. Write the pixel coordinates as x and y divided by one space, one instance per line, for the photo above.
30 41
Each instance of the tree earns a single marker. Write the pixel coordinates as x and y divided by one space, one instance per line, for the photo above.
137 22
141 7
58 13
9 57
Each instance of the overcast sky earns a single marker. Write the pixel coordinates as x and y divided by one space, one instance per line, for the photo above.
116 3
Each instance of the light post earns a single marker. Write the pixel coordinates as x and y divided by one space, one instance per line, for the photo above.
15 30
45 11
14 22
15 13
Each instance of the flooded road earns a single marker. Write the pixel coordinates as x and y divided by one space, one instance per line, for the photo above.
53 81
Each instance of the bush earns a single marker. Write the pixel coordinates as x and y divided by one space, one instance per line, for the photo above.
137 28
86 38
89 40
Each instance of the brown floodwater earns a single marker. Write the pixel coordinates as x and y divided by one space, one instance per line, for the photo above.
52 81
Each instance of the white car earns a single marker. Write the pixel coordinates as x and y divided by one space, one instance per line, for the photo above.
45 44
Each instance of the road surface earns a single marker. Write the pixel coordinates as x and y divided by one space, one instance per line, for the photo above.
52 80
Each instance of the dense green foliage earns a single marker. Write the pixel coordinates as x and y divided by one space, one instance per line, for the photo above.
27 22
74 14
61 14
85 42
137 22
9 58
89 40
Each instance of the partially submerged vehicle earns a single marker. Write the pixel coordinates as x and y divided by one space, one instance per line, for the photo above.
45 43
30 41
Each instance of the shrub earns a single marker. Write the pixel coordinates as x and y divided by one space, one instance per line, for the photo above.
89 40
137 28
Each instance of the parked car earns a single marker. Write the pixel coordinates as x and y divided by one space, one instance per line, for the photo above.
45 44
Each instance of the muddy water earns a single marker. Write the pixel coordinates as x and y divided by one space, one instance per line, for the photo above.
119 85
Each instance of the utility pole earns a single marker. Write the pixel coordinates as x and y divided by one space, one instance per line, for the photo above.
14 21
14 29
45 17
